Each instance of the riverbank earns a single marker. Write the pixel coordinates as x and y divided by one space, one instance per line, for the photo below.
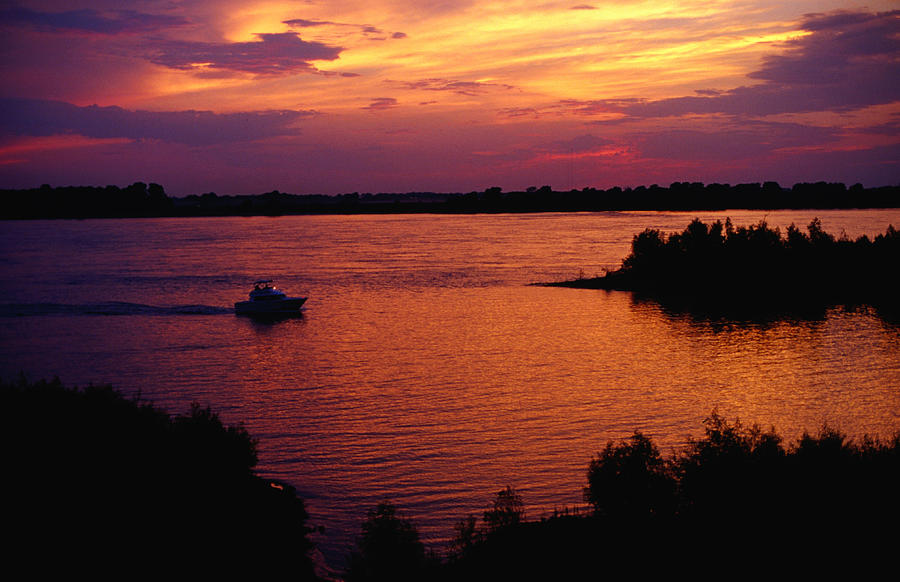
181 484
426 364
93 478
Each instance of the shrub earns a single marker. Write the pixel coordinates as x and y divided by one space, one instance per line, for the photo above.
507 510
91 473
630 480
389 548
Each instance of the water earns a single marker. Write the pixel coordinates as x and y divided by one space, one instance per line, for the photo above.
425 369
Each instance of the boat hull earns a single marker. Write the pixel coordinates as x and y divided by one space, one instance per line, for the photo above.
286 306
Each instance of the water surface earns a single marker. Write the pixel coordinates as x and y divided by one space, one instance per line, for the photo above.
425 369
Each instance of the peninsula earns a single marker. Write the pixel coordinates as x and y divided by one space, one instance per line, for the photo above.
756 265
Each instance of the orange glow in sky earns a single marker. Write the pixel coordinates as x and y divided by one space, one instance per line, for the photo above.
396 95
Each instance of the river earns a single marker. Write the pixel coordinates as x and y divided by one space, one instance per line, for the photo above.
425 370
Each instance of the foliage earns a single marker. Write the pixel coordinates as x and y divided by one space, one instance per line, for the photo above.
92 476
733 471
505 546
744 474
141 200
736 495
136 200
736 488
507 510
119 476
757 268
630 480
389 548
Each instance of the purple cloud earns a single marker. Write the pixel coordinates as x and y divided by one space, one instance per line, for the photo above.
747 141
303 23
381 103
275 54
461 87
34 117
840 44
848 61
514 112
365 29
581 144
88 20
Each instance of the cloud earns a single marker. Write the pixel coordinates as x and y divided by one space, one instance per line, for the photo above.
583 7
381 103
849 60
581 144
368 30
275 54
566 107
729 144
36 118
462 87
842 47
303 23
513 112
90 21
577 147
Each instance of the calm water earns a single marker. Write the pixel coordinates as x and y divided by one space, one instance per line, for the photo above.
425 370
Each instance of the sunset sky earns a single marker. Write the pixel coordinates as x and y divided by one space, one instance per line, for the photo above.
330 97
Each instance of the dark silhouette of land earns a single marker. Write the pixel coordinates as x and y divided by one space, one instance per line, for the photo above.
735 503
102 483
99 483
141 200
756 268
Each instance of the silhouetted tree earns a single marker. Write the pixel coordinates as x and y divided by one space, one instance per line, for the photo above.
507 510
389 548
732 471
91 473
630 480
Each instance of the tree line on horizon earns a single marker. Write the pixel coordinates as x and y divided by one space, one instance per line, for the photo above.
143 200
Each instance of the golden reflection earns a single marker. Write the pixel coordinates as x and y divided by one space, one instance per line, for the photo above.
426 368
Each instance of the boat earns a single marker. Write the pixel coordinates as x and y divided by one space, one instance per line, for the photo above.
266 299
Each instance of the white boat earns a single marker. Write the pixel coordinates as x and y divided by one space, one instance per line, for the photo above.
266 299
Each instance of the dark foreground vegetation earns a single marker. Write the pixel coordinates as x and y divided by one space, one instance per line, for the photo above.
757 267
96 481
736 503
141 200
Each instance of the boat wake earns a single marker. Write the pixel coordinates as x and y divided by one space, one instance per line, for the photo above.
106 308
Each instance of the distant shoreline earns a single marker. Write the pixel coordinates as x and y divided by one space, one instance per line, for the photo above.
141 200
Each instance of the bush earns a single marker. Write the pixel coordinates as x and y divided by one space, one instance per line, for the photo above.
508 510
90 472
631 481
389 548
758 262
733 471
